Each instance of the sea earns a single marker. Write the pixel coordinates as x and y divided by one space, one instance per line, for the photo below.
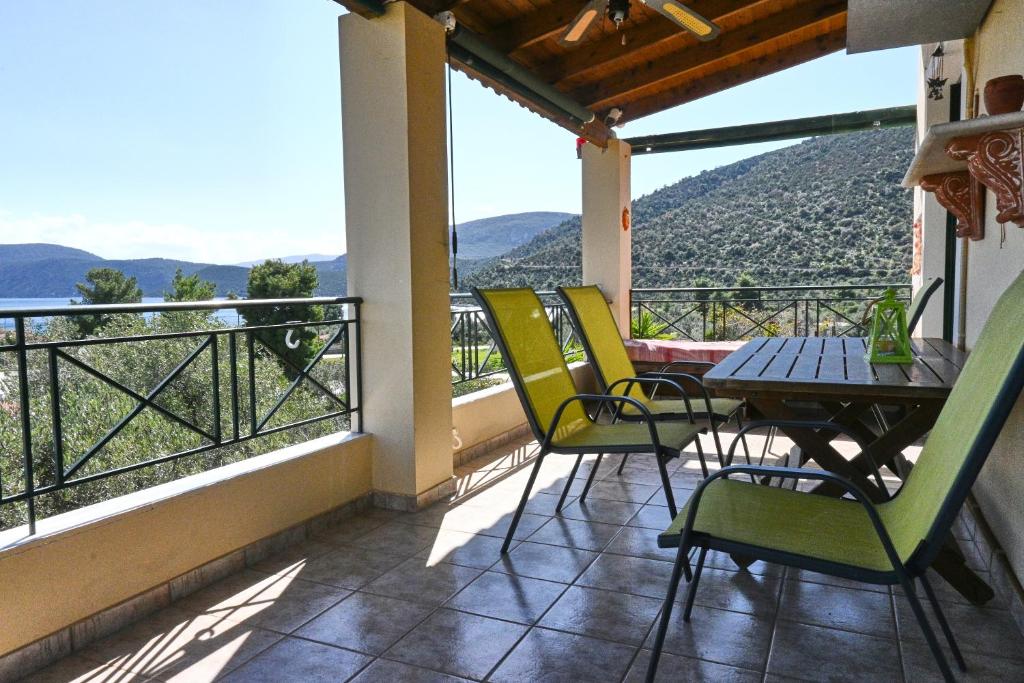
227 315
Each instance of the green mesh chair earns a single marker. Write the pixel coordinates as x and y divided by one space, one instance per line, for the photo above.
892 542
920 302
595 327
556 413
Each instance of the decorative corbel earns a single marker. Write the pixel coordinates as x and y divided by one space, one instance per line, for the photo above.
962 196
995 160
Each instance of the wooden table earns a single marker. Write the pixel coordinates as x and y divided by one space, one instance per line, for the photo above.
774 373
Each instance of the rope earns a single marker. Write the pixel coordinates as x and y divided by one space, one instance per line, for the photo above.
451 178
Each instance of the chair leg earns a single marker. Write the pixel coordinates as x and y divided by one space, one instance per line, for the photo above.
667 485
700 450
692 592
522 504
568 484
666 611
746 446
718 444
929 634
766 481
743 439
622 463
700 457
946 630
590 479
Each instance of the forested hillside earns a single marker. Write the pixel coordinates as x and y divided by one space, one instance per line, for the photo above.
50 271
487 237
827 210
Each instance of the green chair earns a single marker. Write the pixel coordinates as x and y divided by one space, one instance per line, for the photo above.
595 327
919 302
556 413
886 543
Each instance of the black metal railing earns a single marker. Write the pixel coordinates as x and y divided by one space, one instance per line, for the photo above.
474 354
159 385
738 313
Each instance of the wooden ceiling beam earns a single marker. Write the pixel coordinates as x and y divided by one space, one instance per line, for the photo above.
535 26
610 90
595 131
364 9
596 54
432 7
728 78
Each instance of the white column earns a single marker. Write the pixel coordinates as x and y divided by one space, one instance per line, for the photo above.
607 257
393 125
929 216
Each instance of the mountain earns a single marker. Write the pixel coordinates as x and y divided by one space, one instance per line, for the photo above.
51 271
298 258
827 210
489 237
19 253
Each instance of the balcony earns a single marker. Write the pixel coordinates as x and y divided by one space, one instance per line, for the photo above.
386 596
340 589
330 540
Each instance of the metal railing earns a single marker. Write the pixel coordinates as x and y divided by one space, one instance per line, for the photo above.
474 354
170 375
738 313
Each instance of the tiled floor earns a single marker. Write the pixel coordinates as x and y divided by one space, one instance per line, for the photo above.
427 597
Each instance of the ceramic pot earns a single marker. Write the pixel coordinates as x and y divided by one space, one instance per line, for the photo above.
1004 94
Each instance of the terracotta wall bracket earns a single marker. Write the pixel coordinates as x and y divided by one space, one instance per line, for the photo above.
963 196
995 159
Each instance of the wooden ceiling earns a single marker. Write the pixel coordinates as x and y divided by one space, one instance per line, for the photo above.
660 66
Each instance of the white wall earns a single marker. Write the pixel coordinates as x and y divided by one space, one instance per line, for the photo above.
992 264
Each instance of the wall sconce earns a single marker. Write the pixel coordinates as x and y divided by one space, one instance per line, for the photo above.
933 74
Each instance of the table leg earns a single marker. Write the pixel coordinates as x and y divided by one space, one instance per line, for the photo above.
816 446
885 449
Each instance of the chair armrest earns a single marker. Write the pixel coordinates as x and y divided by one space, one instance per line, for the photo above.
697 363
796 473
676 376
603 398
811 424
646 379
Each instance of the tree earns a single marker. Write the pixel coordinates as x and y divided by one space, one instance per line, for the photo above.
190 288
750 300
104 286
645 326
274 279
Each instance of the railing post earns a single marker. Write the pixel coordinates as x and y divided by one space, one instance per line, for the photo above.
215 378
251 348
359 366
233 372
58 434
630 309
25 408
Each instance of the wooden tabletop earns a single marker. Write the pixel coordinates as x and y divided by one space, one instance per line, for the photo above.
834 367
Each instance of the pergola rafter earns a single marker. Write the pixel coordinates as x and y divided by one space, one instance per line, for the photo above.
657 68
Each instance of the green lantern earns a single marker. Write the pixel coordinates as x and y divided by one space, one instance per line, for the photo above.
889 341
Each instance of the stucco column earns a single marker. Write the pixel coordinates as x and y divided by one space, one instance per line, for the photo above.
929 216
607 257
393 130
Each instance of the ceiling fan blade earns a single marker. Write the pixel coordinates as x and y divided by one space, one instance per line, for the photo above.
585 19
685 17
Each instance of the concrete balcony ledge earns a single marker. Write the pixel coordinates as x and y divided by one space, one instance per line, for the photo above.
668 350
89 572
104 513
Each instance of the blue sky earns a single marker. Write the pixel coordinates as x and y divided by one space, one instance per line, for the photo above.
210 129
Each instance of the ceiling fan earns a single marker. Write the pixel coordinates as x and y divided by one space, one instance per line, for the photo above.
618 12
